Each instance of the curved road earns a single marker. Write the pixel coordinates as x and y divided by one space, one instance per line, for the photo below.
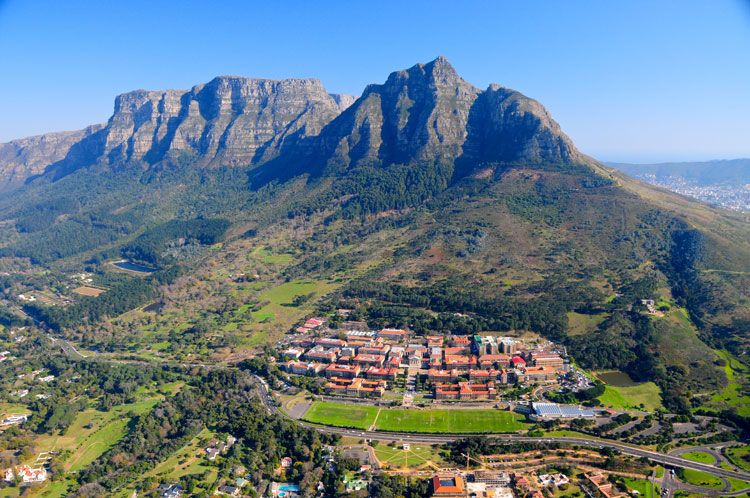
669 460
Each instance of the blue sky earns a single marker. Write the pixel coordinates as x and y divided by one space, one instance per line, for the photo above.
628 81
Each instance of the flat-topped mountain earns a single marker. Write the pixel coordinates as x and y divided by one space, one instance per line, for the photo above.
229 121
426 202
426 112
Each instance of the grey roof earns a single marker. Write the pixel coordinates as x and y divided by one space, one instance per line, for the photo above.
564 411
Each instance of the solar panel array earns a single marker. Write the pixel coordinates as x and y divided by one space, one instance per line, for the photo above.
553 410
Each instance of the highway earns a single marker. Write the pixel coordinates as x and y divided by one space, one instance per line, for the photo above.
625 449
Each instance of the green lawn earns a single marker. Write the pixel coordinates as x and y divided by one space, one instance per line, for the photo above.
740 456
281 297
733 393
643 486
444 420
341 414
631 397
700 478
579 323
270 258
413 420
699 456
418 455
738 485
7 409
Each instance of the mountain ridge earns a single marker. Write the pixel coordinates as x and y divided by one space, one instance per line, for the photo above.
425 185
228 120
239 121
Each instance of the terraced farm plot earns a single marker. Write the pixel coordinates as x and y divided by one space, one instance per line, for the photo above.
341 414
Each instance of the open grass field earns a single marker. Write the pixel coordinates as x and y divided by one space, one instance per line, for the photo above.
7 409
644 395
417 456
678 341
87 291
90 434
699 456
93 432
738 485
579 324
190 459
341 414
735 393
281 298
740 456
265 255
704 479
412 420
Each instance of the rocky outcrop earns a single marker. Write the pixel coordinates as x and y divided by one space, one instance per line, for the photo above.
424 113
229 120
429 113
20 159
420 113
510 127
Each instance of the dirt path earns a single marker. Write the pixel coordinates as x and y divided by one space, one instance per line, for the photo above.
375 421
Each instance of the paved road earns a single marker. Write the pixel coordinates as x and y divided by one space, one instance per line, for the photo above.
66 347
668 460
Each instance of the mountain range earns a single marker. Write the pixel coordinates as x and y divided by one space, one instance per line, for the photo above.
426 202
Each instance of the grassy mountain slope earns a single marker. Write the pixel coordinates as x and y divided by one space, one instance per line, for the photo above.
427 203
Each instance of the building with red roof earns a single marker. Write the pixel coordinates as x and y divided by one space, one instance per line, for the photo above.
448 486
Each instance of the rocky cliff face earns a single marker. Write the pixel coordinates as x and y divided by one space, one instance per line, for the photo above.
418 114
424 113
20 159
429 113
227 121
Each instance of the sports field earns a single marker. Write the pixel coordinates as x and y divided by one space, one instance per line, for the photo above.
341 414
412 420
442 420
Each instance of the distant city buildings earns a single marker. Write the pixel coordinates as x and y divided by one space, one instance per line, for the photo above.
734 197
